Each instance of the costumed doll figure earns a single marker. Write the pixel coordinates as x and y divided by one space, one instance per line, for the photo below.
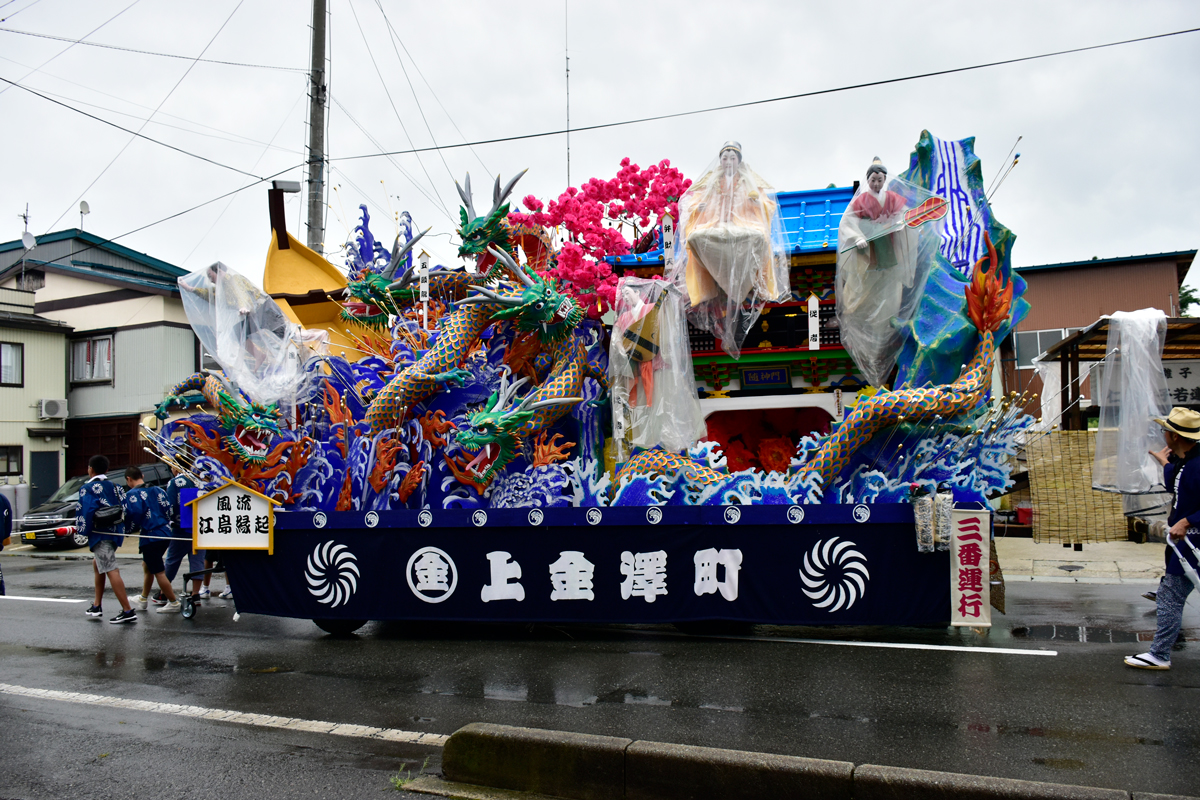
732 255
650 370
883 258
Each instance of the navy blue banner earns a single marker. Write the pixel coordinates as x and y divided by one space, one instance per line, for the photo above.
803 565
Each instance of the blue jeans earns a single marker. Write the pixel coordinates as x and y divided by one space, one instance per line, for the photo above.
175 553
1172 594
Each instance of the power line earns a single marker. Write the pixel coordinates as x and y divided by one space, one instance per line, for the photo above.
395 110
235 136
151 52
393 37
73 42
182 77
127 130
176 214
435 96
750 103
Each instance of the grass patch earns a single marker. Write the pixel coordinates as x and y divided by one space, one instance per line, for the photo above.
404 776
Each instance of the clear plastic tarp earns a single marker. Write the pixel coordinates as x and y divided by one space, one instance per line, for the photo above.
241 327
887 240
1132 392
653 389
732 252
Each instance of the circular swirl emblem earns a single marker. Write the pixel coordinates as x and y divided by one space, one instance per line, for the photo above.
425 518
834 574
319 519
732 514
861 513
654 515
479 518
594 516
332 574
795 515
372 519
536 516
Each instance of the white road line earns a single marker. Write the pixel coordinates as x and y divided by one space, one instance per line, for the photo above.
998 651
39 599
221 715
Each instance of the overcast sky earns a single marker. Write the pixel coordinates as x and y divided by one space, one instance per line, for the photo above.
1108 159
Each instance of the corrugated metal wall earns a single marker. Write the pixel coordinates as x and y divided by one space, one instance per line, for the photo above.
147 362
1075 298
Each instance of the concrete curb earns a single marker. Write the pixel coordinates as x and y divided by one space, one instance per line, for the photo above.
873 782
581 766
575 765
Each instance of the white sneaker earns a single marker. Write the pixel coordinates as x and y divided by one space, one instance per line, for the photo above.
227 593
170 608
140 602
205 593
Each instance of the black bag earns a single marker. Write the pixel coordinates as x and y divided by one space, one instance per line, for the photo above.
107 516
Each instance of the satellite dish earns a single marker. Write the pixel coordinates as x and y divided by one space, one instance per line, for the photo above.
84 208
28 240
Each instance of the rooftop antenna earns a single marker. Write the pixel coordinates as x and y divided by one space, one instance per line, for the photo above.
29 241
84 210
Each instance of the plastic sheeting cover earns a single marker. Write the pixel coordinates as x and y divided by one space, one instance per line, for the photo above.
882 263
653 388
732 254
1133 391
246 332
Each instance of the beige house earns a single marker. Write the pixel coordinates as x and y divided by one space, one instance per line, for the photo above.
33 391
129 340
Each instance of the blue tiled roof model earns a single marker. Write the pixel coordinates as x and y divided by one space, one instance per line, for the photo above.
810 223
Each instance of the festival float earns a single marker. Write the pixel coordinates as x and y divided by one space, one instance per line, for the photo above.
649 400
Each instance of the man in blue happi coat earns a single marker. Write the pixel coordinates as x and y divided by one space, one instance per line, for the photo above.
147 509
105 530
1181 475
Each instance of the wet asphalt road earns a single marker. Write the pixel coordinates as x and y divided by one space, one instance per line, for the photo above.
1077 717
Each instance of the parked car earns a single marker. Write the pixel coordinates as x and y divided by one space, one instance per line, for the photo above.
47 526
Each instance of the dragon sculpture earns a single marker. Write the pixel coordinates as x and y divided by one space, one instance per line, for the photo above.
459 331
540 311
989 301
252 424
371 296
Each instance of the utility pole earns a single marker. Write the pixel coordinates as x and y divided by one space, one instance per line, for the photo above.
316 132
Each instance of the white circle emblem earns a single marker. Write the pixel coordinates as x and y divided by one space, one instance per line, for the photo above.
861 513
319 519
332 574
795 515
372 519
834 592
431 574
654 515
425 518
479 518
594 516
536 516
732 514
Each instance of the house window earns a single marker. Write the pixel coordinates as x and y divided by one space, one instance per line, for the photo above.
1028 345
10 460
91 360
12 364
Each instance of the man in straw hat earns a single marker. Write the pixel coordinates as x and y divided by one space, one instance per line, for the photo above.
1181 473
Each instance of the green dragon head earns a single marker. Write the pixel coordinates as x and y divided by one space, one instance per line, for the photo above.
253 424
480 233
538 308
372 297
497 432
